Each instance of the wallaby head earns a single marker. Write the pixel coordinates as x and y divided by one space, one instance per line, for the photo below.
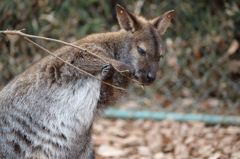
144 38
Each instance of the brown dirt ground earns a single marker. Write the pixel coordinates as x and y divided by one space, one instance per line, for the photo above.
167 139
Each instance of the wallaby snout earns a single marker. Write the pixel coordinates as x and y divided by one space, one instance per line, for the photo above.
146 78
150 78
151 75
147 73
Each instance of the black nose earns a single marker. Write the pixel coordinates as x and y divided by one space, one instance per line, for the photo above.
150 78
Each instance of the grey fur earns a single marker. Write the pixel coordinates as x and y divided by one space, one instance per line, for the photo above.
48 110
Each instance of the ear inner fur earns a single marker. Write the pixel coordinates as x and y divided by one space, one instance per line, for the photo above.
162 22
126 19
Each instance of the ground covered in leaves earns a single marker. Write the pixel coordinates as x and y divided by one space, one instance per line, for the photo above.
167 139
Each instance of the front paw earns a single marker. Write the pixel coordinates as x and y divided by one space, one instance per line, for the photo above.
107 71
128 70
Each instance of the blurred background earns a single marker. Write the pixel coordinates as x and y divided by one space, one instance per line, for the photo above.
200 72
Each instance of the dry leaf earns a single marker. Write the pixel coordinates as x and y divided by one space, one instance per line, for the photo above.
108 151
233 47
167 139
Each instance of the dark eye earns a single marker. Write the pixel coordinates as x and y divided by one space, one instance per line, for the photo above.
141 51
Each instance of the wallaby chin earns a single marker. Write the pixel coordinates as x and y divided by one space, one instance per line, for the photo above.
48 110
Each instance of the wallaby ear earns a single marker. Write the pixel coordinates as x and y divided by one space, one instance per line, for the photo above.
126 19
162 22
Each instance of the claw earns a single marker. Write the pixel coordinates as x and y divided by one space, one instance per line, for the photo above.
107 70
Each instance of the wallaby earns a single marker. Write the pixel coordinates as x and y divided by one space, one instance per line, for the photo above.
48 110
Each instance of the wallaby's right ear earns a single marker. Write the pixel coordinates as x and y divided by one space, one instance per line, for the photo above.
126 19
161 23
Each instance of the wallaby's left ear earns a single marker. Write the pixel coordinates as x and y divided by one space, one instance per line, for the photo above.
127 20
162 22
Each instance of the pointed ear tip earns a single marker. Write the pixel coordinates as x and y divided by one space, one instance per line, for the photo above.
119 7
171 12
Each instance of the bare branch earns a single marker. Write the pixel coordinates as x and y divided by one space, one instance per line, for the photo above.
22 35
73 65
19 33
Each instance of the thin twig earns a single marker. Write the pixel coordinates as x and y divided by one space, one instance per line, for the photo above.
71 64
16 32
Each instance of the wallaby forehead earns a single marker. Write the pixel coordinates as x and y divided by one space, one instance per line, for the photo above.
150 37
148 31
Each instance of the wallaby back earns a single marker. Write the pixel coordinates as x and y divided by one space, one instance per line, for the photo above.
48 110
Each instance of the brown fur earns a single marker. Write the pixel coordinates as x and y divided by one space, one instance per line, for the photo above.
48 110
